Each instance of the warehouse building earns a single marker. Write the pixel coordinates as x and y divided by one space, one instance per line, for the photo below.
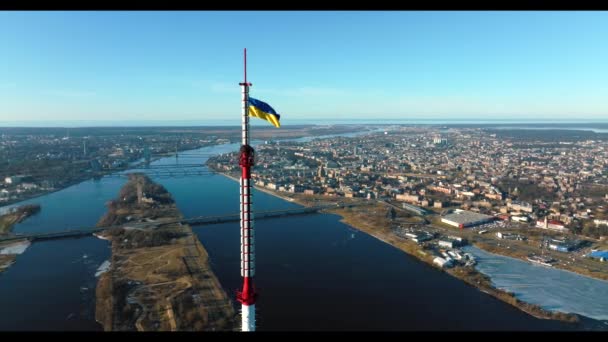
464 218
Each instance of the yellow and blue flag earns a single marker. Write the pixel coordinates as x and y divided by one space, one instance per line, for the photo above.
263 110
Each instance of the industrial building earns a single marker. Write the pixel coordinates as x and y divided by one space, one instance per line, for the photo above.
554 225
419 236
414 209
601 255
563 245
441 262
447 243
464 218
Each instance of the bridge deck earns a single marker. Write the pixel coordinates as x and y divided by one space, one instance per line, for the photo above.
194 221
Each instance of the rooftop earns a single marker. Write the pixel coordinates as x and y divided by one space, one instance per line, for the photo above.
466 217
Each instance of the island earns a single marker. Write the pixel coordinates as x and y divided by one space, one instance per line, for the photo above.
159 277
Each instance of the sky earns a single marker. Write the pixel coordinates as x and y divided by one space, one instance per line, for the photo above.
309 66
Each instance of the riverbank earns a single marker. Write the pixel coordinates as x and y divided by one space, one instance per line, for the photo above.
270 192
377 225
9 251
16 215
260 133
159 277
372 220
583 266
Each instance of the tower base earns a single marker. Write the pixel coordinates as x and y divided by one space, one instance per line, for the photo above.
248 317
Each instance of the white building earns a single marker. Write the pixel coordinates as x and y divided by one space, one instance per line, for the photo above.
600 222
463 218
442 262
519 218
14 179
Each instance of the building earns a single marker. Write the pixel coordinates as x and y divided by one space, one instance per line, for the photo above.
556 246
419 237
408 198
597 254
464 218
563 245
442 262
14 180
509 236
497 197
439 204
414 209
519 218
600 222
446 191
520 206
554 225
447 243
459 241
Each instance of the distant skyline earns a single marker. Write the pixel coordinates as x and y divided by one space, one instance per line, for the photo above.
310 66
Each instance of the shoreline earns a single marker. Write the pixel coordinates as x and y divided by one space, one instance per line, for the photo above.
559 266
133 167
88 178
470 277
522 260
9 250
268 191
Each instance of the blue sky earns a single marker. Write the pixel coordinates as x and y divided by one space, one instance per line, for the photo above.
308 65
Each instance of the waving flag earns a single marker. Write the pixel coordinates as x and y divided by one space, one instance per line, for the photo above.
263 110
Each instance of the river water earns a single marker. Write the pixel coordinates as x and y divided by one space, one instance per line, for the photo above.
551 288
313 272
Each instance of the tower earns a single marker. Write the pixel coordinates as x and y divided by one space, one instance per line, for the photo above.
248 295
84 147
147 155
140 190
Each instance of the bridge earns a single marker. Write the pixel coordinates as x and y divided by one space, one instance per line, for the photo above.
193 221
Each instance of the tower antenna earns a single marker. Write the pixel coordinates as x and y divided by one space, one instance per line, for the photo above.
248 295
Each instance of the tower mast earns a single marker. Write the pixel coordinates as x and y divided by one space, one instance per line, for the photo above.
248 295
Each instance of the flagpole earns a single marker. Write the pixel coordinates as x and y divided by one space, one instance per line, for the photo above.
248 295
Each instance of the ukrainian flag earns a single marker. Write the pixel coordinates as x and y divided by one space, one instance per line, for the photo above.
263 110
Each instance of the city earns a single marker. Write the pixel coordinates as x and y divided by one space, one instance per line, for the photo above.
527 192
398 171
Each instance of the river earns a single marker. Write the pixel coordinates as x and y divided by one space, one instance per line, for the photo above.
551 288
313 272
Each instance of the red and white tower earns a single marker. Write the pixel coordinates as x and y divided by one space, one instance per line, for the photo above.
248 295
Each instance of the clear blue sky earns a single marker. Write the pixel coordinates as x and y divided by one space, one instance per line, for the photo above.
318 65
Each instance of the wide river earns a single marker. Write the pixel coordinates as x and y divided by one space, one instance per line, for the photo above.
313 272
